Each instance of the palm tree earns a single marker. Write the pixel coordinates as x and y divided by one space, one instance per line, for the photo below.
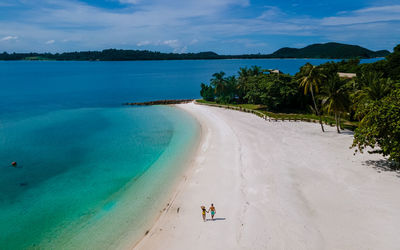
378 89
246 79
373 88
244 74
218 82
230 89
256 70
335 98
311 80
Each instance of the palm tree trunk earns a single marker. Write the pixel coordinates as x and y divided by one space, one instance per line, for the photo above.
337 122
340 127
316 110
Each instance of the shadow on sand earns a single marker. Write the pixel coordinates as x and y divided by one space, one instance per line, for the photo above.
346 132
383 165
216 219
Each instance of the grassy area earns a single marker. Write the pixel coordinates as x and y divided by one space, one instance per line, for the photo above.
261 110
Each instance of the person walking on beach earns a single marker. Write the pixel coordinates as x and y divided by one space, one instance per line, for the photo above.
203 212
213 211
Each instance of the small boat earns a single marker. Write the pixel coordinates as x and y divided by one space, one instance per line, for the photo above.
14 163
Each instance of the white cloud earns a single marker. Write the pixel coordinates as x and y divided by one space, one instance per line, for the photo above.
176 45
389 8
180 50
172 43
179 25
246 43
271 13
143 43
194 41
50 42
86 25
7 3
8 38
129 1
365 15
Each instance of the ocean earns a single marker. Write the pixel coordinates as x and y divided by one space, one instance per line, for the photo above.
92 173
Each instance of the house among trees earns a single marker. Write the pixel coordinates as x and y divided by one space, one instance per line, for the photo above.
347 75
274 71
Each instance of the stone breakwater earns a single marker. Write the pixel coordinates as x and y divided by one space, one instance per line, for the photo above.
160 102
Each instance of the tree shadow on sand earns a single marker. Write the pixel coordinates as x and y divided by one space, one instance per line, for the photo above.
383 165
347 132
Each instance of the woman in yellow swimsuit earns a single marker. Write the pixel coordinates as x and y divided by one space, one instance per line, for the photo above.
203 212
213 211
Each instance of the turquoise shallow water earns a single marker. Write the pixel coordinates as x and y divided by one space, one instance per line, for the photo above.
92 174
80 179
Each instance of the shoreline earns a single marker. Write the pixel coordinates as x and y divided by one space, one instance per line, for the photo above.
306 191
169 169
179 183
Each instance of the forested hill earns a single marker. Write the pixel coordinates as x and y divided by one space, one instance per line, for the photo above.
109 55
327 50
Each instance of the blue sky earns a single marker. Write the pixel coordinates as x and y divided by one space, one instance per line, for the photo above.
223 26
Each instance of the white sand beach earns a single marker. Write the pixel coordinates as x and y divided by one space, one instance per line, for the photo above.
278 185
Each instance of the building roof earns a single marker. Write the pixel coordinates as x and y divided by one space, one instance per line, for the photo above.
347 75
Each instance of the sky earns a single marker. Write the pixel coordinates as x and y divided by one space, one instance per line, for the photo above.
222 26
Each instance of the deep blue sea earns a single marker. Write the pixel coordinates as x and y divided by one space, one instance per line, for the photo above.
90 171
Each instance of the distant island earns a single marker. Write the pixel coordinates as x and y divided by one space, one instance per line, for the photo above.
326 50
329 50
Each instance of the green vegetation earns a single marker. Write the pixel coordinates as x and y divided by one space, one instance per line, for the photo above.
369 103
328 50
110 55
262 111
380 127
335 98
310 80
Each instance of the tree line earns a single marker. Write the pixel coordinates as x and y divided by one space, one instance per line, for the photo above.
327 50
109 55
372 98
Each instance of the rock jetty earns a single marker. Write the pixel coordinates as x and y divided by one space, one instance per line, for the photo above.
160 102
